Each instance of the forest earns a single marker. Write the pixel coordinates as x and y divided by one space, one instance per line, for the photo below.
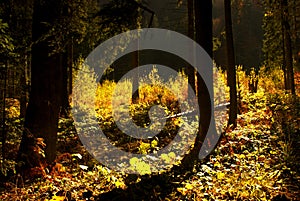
149 100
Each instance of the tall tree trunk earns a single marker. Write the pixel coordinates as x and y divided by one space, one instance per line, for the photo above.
41 120
203 24
67 71
231 78
4 76
70 69
289 70
191 34
23 86
203 27
135 81
283 49
65 105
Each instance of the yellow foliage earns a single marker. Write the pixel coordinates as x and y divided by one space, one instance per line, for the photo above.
271 81
183 191
154 143
221 90
144 148
57 198
13 107
189 186
140 166
172 155
220 175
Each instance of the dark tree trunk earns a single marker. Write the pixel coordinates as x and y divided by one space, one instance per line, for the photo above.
65 109
135 81
203 24
135 63
191 33
231 78
288 54
203 27
70 69
23 95
41 120
283 50
24 82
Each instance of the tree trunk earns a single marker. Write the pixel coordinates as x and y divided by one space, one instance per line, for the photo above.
23 86
65 94
191 33
70 69
283 50
231 78
289 70
203 27
135 81
41 120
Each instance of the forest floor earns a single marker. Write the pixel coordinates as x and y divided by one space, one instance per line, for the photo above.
258 160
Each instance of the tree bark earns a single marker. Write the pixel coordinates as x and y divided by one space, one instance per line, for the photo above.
65 94
288 54
23 89
191 33
70 69
41 120
283 49
203 30
135 81
231 77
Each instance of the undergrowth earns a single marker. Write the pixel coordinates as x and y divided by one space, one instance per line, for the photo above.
258 160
